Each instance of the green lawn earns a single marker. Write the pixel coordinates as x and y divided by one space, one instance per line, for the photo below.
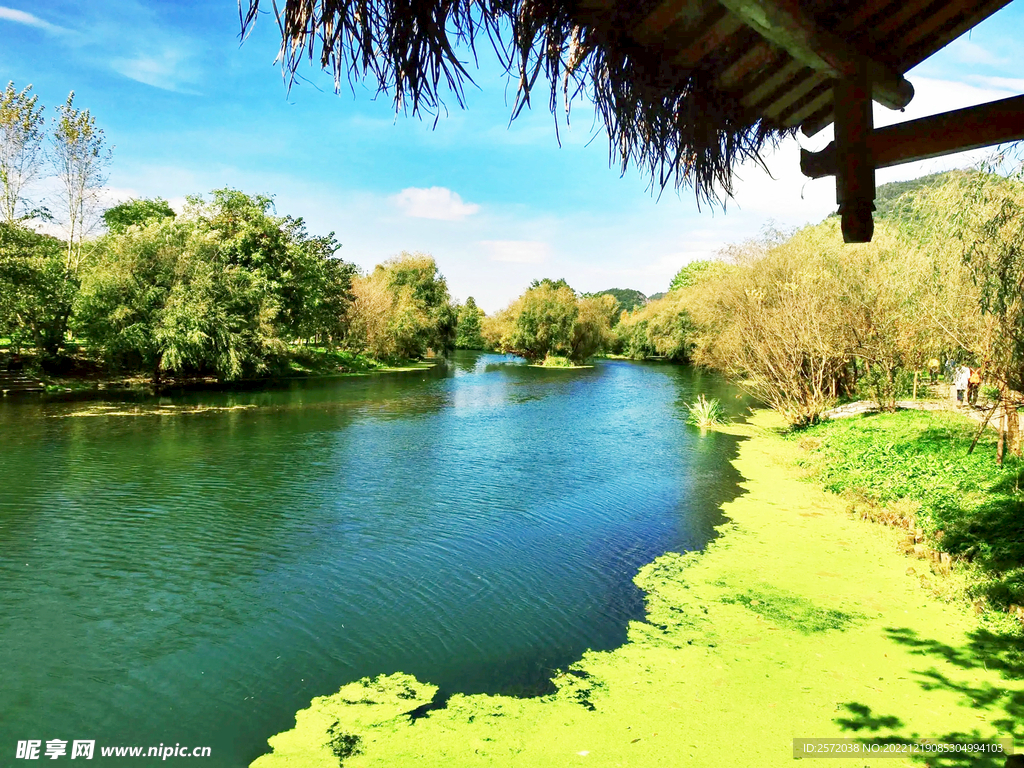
917 460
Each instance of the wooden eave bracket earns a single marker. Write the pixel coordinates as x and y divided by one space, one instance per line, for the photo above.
985 125
855 169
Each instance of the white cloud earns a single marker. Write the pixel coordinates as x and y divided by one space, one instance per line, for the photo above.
1012 85
21 17
164 71
966 52
517 251
434 203
782 194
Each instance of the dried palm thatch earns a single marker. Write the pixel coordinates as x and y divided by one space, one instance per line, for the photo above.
675 126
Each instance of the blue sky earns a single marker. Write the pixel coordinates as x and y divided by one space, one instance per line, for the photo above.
188 109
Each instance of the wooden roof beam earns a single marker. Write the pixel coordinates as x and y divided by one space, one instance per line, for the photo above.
785 23
985 125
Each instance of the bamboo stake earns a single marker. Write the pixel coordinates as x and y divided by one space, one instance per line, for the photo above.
1001 445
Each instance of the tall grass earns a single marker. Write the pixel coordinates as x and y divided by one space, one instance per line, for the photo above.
705 413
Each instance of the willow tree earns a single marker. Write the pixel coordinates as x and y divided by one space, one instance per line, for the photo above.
541 321
980 217
402 310
550 320
592 332
774 324
22 128
165 297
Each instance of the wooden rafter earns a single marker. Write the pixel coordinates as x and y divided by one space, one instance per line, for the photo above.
921 39
785 23
722 27
758 58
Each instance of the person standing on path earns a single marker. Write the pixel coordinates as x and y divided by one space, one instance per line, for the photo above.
933 369
973 385
960 381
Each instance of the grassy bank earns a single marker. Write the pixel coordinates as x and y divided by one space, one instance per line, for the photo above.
912 468
801 620
82 375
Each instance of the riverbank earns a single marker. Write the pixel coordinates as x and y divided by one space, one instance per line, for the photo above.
800 620
90 383
915 470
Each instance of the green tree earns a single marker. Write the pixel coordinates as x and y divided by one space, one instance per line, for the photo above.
323 284
21 138
543 320
419 272
165 297
554 284
592 331
693 273
136 212
402 309
550 320
312 287
663 327
35 293
470 328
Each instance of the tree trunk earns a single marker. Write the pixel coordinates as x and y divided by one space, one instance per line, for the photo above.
915 386
1013 428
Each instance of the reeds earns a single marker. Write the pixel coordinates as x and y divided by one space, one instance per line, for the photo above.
705 413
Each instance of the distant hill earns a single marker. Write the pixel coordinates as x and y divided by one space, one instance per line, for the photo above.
887 194
628 298
655 296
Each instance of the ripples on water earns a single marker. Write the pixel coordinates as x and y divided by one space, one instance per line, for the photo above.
196 570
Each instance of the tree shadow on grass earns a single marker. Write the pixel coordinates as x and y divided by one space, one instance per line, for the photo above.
992 535
1002 708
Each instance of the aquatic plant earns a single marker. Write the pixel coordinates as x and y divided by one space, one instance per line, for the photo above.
704 413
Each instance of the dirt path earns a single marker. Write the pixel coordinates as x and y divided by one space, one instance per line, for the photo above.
940 400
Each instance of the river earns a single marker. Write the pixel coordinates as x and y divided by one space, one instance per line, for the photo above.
193 570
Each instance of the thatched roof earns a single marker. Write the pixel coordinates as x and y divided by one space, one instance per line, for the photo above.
687 89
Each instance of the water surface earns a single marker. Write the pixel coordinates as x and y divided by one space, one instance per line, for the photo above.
172 576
